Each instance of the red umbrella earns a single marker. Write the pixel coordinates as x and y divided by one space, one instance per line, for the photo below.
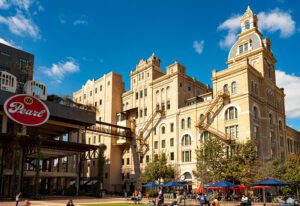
240 187
200 190
214 188
260 187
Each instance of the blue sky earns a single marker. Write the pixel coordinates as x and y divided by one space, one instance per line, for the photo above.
78 40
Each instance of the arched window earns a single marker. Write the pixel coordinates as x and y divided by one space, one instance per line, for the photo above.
225 88
233 88
189 122
209 118
247 25
255 112
187 175
231 113
271 118
182 124
163 129
280 125
186 140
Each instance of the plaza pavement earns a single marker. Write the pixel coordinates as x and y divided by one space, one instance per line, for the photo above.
79 201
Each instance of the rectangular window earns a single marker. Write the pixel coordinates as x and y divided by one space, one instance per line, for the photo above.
241 49
186 156
96 104
99 138
163 144
172 127
147 158
155 144
145 92
96 90
128 161
136 95
163 106
172 156
246 47
172 142
89 140
100 88
232 131
141 94
141 113
123 161
154 130
94 139
100 102
145 112
141 159
168 105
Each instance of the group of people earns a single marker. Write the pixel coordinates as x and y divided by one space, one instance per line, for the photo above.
28 203
203 200
136 197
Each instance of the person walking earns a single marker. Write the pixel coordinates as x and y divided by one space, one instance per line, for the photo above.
244 200
17 198
70 203
216 202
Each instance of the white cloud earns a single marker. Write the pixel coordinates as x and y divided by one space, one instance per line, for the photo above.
59 70
198 46
80 22
20 25
4 4
20 4
291 85
275 20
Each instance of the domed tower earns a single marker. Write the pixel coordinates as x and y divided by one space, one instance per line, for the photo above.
251 47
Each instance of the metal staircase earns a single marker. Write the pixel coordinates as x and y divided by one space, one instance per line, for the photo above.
216 105
142 145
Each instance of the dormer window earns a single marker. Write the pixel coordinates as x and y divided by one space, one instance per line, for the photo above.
247 25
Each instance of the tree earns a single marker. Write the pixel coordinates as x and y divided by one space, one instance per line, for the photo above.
217 161
158 169
272 169
292 171
210 158
101 165
242 163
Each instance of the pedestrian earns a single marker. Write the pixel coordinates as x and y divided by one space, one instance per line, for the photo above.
202 199
17 198
216 202
27 203
70 203
244 200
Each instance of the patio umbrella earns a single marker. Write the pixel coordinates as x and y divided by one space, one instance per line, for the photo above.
151 184
240 187
269 182
223 184
261 187
214 188
200 190
173 184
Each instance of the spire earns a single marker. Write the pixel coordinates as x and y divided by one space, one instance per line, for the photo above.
249 20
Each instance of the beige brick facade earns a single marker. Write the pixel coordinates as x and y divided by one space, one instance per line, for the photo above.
172 113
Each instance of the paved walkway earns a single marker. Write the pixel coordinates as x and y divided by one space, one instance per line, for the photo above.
79 201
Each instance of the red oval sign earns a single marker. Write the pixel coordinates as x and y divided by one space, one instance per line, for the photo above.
26 110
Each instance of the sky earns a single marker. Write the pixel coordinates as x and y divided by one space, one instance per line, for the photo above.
74 41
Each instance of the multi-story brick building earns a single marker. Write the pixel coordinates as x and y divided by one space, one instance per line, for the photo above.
172 113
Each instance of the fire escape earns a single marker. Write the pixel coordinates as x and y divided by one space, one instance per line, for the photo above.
142 145
214 108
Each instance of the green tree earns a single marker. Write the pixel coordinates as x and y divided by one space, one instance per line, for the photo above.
157 169
101 165
210 160
292 171
242 164
271 169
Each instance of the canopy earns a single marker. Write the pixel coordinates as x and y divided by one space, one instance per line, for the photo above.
151 184
261 187
270 182
214 188
223 184
173 184
240 187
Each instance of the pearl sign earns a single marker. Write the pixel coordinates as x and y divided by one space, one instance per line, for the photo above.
26 110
